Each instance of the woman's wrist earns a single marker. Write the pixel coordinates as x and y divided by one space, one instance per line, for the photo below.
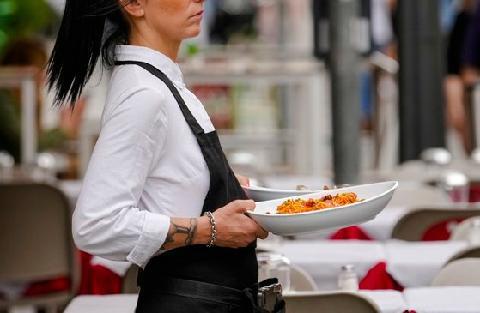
213 229
203 231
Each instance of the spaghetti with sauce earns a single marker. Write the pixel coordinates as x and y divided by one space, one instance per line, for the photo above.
300 205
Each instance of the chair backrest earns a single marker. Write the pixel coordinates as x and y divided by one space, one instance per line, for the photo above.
332 302
413 225
129 283
461 272
418 195
463 229
472 252
35 233
301 280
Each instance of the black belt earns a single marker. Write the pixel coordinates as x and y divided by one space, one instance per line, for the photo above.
206 291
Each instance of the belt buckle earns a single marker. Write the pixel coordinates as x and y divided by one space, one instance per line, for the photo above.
269 296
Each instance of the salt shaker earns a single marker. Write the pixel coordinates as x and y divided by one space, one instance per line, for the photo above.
457 185
347 279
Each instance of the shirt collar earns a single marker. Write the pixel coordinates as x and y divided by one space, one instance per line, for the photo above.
153 57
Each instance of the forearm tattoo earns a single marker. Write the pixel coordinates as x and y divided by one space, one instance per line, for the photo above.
181 230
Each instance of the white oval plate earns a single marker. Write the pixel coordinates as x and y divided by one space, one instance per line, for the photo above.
375 198
259 194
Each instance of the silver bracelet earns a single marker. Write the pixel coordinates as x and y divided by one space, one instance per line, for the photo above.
213 226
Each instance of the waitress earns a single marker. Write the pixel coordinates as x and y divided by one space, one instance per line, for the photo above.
158 191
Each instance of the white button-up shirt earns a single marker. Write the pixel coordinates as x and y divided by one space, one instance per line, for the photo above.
146 166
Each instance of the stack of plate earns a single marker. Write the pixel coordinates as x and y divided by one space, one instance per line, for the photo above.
374 197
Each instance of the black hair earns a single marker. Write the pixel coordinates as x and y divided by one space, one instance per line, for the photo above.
89 29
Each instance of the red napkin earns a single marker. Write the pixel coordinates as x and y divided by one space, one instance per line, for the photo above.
377 278
474 192
47 286
440 231
96 279
350 232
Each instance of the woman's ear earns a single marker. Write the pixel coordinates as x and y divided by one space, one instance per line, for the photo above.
134 8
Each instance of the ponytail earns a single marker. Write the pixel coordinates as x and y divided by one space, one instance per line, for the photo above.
82 38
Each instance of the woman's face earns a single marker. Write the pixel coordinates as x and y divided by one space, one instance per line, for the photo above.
175 19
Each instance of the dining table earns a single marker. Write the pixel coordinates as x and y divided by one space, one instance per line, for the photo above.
392 264
445 299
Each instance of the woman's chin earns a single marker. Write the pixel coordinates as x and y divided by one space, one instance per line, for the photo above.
192 32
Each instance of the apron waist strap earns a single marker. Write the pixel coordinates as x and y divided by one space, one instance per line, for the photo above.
246 298
200 290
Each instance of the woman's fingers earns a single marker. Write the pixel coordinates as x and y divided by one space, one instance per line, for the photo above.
241 206
234 227
261 233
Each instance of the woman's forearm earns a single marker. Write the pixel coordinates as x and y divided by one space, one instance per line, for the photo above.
187 231
234 229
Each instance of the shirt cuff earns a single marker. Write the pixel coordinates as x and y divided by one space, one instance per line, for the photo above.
154 233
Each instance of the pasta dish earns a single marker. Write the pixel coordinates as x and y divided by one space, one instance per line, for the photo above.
300 205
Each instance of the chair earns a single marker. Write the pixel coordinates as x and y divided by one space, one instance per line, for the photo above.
462 230
301 280
473 252
36 242
331 302
119 303
413 225
129 283
461 272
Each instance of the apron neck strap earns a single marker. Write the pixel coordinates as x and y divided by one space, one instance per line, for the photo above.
191 121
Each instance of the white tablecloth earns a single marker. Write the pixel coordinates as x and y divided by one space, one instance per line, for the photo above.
387 301
103 304
381 227
324 259
444 299
415 264
410 171
412 264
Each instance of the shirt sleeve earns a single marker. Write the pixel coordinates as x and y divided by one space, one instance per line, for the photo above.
107 221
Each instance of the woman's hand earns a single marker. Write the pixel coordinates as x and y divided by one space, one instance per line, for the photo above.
244 181
234 228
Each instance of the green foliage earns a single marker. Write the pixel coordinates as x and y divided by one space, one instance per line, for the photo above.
52 140
23 18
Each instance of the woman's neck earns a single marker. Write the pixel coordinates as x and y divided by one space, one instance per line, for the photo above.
165 46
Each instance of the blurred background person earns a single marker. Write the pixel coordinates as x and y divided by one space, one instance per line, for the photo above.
457 74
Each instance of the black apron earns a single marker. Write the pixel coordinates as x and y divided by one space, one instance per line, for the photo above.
190 279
